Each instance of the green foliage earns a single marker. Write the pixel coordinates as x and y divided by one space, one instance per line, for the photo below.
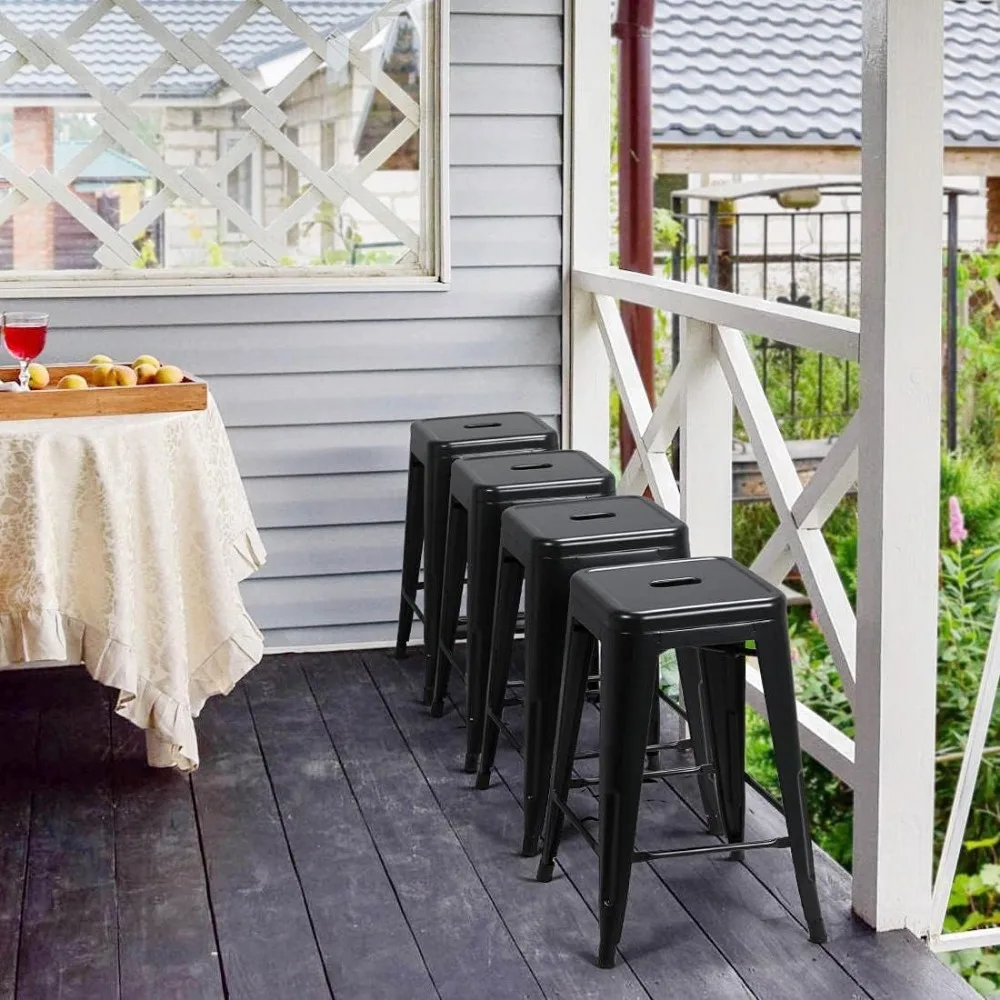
975 903
979 349
812 395
147 253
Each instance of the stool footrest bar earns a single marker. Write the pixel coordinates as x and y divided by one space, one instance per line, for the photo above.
692 852
676 772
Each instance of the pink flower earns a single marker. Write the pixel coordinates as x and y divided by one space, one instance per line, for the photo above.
813 617
956 522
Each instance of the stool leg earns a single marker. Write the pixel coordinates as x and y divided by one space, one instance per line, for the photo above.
483 565
628 684
437 501
413 544
509 579
581 650
653 736
689 667
546 604
725 694
775 662
456 540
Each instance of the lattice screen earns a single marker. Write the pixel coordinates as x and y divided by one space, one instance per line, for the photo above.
197 58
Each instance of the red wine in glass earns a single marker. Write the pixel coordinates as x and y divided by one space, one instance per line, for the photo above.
24 337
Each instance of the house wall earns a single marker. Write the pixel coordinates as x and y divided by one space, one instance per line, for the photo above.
192 137
318 389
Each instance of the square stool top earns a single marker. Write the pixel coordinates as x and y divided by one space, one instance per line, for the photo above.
506 478
480 432
676 594
579 526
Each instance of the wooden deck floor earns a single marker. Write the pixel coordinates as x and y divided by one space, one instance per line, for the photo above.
330 845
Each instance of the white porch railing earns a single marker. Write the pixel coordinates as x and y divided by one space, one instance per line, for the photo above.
716 371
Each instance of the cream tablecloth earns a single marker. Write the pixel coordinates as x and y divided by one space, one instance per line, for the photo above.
122 544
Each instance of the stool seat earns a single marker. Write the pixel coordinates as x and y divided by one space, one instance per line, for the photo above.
478 434
693 593
481 490
508 479
576 527
434 446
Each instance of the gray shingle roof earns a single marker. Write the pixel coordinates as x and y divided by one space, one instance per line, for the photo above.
116 49
789 71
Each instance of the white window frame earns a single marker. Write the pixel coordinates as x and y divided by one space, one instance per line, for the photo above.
435 160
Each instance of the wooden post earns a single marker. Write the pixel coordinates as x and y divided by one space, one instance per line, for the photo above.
902 168
587 127
993 211
34 222
706 444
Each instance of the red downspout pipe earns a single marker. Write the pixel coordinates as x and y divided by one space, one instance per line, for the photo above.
634 30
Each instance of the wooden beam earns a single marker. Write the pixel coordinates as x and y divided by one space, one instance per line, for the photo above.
803 159
899 462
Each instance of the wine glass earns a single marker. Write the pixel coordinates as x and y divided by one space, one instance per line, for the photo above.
24 337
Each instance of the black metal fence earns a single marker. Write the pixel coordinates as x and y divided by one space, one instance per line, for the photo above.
810 259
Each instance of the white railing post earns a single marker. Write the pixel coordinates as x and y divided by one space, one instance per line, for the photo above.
899 460
587 209
706 444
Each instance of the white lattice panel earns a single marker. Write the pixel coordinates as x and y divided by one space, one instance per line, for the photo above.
179 54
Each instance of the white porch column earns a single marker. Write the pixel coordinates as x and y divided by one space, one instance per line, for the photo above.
902 164
587 232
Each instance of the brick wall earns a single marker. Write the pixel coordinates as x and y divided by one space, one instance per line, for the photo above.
34 225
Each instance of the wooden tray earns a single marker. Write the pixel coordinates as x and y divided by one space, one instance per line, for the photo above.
40 404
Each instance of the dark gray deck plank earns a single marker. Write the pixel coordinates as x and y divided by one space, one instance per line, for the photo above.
265 937
465 944
888 965
19 721
658 927
547 921
167 942
367 947
69 937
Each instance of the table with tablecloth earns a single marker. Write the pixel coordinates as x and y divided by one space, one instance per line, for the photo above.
123 541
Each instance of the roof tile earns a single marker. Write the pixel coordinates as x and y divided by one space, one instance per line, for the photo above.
789 71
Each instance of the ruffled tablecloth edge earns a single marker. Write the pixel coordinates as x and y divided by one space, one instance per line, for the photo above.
51 634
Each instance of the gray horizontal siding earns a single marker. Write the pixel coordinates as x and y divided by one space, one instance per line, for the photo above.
333 346
324 449
318 389
360 397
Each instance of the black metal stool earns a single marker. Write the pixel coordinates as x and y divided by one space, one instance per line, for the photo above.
434 446
542 546
636 612
481 489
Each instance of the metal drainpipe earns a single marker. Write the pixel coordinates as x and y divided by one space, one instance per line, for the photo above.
634 30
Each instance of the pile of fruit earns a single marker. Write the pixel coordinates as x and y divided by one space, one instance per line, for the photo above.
105 374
